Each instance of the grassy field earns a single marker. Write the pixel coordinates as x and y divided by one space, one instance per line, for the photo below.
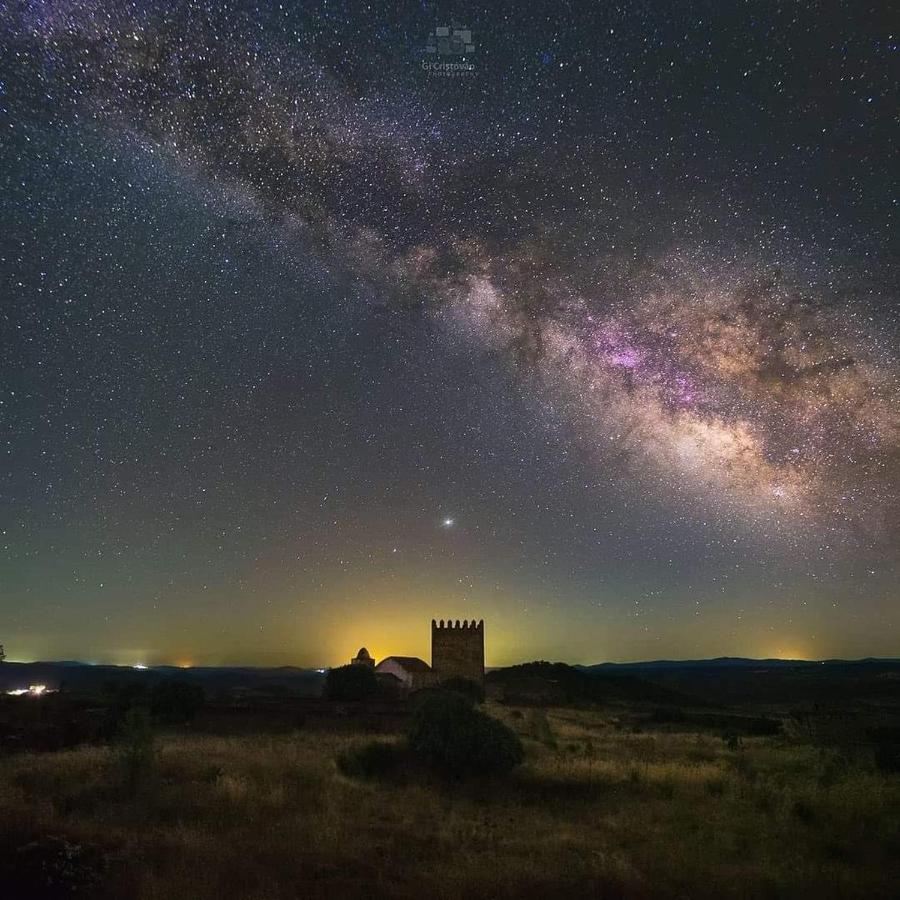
595 811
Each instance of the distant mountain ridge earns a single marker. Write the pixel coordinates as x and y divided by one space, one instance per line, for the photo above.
725 662
91 677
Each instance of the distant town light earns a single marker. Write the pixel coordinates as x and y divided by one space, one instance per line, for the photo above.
33 690
138 666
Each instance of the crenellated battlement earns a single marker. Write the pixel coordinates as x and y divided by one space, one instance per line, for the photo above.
451 624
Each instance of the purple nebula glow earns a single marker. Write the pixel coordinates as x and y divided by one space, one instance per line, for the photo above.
628 358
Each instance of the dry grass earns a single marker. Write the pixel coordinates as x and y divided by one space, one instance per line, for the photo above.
594 811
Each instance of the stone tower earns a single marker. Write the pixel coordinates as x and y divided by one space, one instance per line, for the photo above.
457 651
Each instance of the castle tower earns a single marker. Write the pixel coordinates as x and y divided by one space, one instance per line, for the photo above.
457 651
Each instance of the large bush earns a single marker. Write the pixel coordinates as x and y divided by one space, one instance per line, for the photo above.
451 735
465 686
350 683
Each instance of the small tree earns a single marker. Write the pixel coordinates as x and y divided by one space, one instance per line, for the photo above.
137 748
122 698
589 755
2 653
350 683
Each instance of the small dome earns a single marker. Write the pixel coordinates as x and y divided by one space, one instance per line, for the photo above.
363 654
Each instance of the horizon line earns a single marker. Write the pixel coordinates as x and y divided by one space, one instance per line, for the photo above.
140 666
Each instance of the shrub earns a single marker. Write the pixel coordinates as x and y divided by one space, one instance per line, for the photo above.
886 747
53 867
834 770
350 683
539 726
372 760
715 787
744 767
457 739
887 757
465 686
804 810
211 774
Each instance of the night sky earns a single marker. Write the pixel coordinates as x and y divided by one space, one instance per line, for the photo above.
310 334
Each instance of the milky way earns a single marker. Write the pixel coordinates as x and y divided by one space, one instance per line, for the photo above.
738 389
701 336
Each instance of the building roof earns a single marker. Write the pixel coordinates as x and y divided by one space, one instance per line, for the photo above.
363 654
410 663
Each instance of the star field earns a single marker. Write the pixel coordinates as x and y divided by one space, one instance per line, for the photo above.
306 343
